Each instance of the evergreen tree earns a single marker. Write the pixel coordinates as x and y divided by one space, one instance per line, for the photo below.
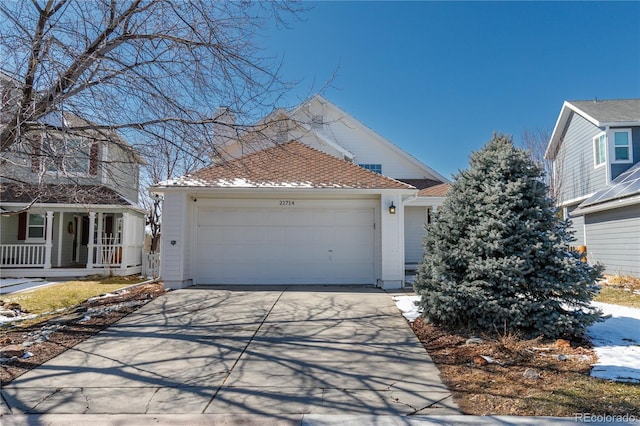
497 257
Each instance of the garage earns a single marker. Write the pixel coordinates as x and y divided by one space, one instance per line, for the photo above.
286 242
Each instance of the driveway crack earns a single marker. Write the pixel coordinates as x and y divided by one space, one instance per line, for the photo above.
253 336
58 390
427 406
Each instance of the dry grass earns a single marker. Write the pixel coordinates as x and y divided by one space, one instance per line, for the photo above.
622 281
619 290
68 294
563 387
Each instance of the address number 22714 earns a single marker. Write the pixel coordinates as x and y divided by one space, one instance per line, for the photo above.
287 203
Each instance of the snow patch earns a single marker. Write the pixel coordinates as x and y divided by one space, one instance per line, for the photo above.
616 341
407 305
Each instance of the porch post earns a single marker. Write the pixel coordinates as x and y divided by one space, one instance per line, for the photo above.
48 240
125 241
60 234
91 243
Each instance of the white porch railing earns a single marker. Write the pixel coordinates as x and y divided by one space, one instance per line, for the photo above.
108 256
151 265
22 255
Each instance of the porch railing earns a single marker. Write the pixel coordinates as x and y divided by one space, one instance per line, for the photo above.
17 255
108 256
151 265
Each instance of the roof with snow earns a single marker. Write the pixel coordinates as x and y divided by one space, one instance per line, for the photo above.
288 165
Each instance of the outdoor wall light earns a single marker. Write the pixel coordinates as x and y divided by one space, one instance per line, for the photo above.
392 209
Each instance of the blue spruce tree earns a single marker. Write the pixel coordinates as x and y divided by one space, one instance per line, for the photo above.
497 257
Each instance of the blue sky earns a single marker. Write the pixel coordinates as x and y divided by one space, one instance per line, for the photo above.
437 78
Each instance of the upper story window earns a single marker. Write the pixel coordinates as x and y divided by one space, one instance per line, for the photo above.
76 157
373 167
622 147
600 149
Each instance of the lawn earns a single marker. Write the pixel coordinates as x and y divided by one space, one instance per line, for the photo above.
64 295
620 290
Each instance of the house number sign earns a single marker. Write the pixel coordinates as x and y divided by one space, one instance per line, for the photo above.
287 203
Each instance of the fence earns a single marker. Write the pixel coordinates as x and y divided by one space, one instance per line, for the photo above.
151 265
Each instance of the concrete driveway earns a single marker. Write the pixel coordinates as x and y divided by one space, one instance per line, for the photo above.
273 351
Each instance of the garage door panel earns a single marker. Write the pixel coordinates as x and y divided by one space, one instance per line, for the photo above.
284 246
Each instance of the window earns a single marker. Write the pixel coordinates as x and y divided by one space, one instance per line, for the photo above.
600 149
373 167
622 148
70 156
35 227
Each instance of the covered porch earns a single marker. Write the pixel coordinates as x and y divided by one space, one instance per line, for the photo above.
50 240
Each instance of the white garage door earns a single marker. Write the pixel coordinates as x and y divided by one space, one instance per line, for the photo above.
284 246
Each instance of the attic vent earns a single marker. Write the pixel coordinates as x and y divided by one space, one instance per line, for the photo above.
317 121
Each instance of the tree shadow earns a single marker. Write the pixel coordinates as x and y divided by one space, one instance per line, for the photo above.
261 350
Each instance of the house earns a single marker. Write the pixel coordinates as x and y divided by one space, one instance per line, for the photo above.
310 196
67 200
595 148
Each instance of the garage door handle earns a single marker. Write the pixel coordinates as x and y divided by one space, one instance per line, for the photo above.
330 251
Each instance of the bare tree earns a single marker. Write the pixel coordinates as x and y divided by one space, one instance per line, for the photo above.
536 142
151 69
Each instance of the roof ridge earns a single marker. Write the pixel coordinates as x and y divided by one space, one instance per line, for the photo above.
290 164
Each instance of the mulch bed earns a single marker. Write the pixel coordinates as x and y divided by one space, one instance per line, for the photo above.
70 328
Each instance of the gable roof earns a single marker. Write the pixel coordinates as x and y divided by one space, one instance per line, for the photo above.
377 136
601 113
289 165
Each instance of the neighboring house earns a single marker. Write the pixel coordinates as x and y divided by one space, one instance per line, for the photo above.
313 197
68 200
595 148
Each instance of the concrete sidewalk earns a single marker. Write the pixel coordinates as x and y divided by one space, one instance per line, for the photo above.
284 420
278 352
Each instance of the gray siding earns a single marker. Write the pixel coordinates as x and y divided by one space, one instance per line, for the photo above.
613 239
117 169
576 227
578 176
617 169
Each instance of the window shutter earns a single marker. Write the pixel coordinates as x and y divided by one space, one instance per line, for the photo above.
93 159
85 231
36 146
22 226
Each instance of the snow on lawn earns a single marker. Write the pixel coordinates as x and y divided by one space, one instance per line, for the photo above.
616 341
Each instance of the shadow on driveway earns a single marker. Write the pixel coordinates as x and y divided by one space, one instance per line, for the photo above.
259 350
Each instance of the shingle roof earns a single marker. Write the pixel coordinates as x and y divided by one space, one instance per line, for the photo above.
440 190
60 194
289 165
429 187
611 111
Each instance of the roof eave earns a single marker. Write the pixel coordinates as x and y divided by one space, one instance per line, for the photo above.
210 190
608 205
